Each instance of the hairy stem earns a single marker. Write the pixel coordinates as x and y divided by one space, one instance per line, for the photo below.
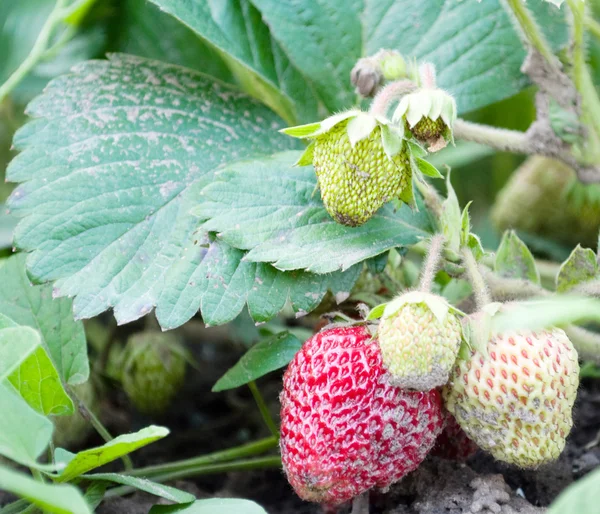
264 410
246 450
500 139
389 94
586 343
480 289
590 103
431 263
273 461
529 30
37 52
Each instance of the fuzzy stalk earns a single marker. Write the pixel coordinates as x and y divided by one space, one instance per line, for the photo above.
389 94
432 263
480 288
529 30
500 139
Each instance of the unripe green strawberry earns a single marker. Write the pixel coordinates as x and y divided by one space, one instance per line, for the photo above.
419 338
361 163
544 197
513 395
153 371
72 431
429 114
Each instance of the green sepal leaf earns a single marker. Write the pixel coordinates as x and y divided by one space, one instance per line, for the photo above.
416 149
87 460
580 267
377 312
265 356
163 491
301 131
515 260
427 169
306 158
211 506
52 498
451 220
580 497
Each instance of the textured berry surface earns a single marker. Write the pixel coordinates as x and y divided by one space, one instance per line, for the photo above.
417 349
356 181
515 398
427 129
154 370
453 443
344 429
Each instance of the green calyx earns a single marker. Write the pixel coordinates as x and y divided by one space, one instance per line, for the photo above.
419 338
429 114
361 162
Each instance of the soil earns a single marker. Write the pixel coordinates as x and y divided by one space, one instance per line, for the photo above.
201 422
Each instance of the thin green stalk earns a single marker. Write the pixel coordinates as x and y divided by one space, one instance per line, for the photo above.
482 294
237 452
36 473
264 410
91 418
431 263
15 507
530 30
29 510
590 103
35 55
273 461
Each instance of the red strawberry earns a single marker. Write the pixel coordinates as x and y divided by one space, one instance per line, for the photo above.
453 443
344 428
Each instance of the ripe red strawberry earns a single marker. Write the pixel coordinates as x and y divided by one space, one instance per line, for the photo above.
453 443
344 428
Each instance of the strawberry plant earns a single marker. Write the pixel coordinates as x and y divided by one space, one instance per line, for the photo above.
237 273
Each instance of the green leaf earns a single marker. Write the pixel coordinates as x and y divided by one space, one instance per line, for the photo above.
581 497
451 221
514 259
163 491
473 45
94 494
7 225
16 345
142 27
211 506
271 208
581 266
87 460
377 311
427 169
112 225
59 499
556 311
236 29
63 338
24 434
266 356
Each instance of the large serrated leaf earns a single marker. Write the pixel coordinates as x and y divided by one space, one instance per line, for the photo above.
52 498
113 165
62 338
236 29
272 208
473 45
273 353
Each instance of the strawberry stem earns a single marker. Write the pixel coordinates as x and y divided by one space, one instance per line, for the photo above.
432 262
480 289
264 410
390 94
427 75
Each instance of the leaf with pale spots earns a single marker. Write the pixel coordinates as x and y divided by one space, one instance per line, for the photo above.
274 210
116 158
